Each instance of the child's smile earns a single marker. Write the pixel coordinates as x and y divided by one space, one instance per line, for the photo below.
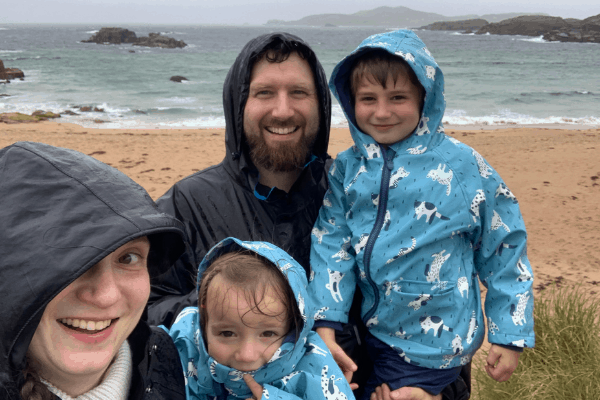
388 114
240 334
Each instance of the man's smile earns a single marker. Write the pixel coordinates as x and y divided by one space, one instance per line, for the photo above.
282 131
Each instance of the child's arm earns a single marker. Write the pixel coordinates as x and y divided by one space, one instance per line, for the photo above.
501 362
332 256
502 264
345 363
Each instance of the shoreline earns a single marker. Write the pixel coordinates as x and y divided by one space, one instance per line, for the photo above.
553 171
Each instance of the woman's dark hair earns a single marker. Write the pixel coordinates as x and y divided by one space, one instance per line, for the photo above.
254 274
34 388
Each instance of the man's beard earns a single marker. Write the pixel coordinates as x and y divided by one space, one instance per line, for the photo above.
281 157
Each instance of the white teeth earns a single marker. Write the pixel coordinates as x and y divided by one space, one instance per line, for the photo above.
87 325
281 131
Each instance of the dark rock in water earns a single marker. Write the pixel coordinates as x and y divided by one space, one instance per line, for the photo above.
85 109
467 24
10 73
68 112
4 95
527 25
112 36
178 78
156 40
120 35
587 31
132 51
140 112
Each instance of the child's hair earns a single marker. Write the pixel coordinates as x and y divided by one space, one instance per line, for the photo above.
254 274
378 65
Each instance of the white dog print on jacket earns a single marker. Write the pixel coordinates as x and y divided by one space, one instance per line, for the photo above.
440 175
334 284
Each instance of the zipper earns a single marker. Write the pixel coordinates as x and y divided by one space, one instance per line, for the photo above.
386 172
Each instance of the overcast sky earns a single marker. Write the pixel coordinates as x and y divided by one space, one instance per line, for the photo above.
257 12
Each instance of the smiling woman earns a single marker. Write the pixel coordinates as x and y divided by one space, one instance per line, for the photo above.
79 243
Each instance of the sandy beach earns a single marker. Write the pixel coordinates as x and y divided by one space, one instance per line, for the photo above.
555 174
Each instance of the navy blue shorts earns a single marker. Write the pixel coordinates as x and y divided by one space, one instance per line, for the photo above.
390 368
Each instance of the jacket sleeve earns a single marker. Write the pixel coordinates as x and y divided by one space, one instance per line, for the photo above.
317 376
332 257
502 264
174 290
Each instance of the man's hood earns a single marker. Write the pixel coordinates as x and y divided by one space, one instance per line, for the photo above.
405 44
61 212
289 353
235 95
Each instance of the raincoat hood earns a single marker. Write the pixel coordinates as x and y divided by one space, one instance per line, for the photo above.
235 94
408 46
285 358
61 212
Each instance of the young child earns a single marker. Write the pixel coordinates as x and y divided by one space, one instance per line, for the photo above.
251 336
414 217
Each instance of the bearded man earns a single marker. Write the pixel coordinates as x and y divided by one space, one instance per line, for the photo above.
271 183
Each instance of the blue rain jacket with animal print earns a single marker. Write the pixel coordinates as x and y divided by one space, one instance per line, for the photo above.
414 225
303 369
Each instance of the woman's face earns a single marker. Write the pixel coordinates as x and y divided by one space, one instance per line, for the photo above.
84 326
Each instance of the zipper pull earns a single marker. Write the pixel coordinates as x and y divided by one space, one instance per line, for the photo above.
389 163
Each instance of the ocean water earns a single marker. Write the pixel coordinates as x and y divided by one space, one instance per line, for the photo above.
490 79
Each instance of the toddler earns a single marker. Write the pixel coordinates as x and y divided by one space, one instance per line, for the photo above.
414 218
251 335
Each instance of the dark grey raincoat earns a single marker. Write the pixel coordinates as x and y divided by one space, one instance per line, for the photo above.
61 212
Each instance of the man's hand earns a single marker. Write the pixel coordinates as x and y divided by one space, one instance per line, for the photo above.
383 392
255 387
339 355
501 362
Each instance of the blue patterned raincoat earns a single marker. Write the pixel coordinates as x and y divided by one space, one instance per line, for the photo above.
298 370
415 225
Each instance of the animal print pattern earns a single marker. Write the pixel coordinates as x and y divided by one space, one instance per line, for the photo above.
525 274
484 170
417 150
334 284
420 301
373 151
434 323
422 128
440 175
472 328
432 272
477 200
497 223
362 243
505 191
397 176
463 286
403 251
429 210
361 170
319 233
492 327
430 71
342 254
518 312
330 389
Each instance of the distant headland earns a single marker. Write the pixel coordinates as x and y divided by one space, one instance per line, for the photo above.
540 24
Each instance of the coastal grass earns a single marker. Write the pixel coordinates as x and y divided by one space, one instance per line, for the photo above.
565 362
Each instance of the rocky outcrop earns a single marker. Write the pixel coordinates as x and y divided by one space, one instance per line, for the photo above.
19 118
112 36
156 40
120 35
464 25
6 74
587 31
527 25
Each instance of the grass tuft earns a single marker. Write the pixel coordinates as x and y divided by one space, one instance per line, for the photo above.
565 363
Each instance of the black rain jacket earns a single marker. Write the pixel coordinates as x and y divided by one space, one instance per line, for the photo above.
219 201
61 212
